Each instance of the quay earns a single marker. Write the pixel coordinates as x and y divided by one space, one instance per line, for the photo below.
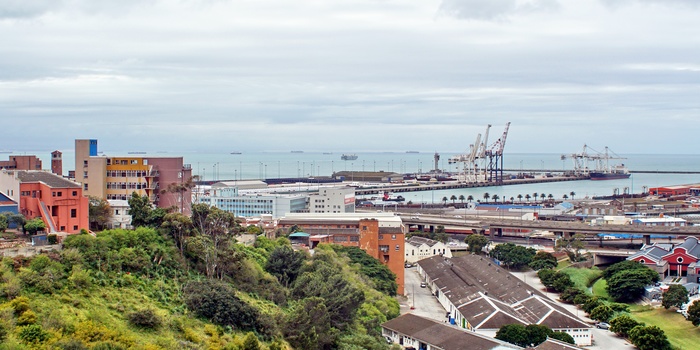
539 171
453 185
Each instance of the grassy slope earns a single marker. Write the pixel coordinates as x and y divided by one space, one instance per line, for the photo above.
680 332
582 278
599 289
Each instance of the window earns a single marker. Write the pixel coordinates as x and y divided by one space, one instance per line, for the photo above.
73 213
75 228
116 212
59 194
393 237
85 174
397 248
85 187
381 237
75 193
384 248
680 260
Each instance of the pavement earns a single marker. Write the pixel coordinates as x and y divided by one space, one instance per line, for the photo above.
421 299
602 339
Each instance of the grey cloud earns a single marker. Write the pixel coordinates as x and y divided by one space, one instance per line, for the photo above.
668 3
494 9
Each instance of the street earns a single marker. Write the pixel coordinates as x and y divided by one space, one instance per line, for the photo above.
422 299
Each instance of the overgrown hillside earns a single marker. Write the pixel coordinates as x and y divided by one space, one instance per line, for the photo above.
139 290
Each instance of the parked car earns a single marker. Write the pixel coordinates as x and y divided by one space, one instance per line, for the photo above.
423 285
602 325
408 265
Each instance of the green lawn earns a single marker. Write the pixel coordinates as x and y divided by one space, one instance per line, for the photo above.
679 331
599 288
582 278
563 264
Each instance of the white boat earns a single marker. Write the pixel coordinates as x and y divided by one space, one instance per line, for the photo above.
348 156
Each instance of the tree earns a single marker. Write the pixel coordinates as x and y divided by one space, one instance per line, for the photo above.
534 196
623 324
513 255
35 225
461 198
179 227
602 313
620 266
140 209
563 336
470 198
453 198
676 295
251 342
99 213
550 197
181 189
546 277
543 196
495 198
694 313
476 242
308 325
285 264
572 194
572 246
487 196
4 222
216 229
561 282
520 197
649 338
514 334
570 294
628 285
527 197
565 197
543 260
444 200
530 335
217 301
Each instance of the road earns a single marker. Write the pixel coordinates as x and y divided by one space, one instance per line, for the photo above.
602 339
424 302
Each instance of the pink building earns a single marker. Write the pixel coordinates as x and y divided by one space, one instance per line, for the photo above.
57 201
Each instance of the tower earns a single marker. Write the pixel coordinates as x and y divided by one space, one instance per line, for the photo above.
57 162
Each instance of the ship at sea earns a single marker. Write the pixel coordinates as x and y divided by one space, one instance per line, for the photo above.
348 156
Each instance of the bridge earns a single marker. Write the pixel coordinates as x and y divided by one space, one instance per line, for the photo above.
495 227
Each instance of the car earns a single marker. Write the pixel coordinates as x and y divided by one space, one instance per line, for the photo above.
423 285
408 265
389 340
602 325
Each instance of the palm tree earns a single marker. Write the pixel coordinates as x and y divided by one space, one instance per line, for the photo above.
550 196
520 197
470 198
495 198
572 194
565 196
461 198
527 197
512 200
453 198
487 196
534 196
444 200
542 195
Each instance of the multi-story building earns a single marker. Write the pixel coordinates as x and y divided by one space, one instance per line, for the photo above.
58 202
226 196
21 163
381 235
333 200
120 217
57 162
164 180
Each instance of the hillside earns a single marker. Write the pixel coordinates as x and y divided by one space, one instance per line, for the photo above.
140 290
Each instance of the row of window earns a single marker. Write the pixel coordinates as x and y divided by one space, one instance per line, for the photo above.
380 236
60 193
126 173
345 238
385 248
126 185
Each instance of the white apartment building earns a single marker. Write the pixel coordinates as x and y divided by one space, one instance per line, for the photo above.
333 200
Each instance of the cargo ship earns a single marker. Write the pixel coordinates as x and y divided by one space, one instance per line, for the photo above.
613 173
348 156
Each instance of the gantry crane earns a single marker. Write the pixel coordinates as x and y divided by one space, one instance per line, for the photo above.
495 157
471 168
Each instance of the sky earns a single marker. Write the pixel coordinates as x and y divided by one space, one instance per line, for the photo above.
351 75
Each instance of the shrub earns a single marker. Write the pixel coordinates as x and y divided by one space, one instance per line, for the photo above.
53 239
32 334
108 345
26 318
20 304
623 324
146 318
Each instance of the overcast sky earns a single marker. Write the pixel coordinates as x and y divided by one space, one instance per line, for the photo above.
350 75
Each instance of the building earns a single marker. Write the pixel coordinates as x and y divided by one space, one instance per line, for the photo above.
333 200
120 217
412 331
8 206
418 248
381 235
166 181
21 163
227 197
672 260
482 297
57 162
677 190
58 202
416 332
661 220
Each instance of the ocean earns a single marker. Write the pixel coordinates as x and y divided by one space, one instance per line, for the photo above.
261 165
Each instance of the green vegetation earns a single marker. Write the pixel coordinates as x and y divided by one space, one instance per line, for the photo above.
583 278
600 289
681 334
476 242
512 255
543 260
676 295
530 335
188 285
627 279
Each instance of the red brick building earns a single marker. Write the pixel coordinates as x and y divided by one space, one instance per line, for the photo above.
21 163
57 201
381 235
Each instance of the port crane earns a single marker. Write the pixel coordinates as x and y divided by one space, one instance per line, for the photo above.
470 161
495 157
600 160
